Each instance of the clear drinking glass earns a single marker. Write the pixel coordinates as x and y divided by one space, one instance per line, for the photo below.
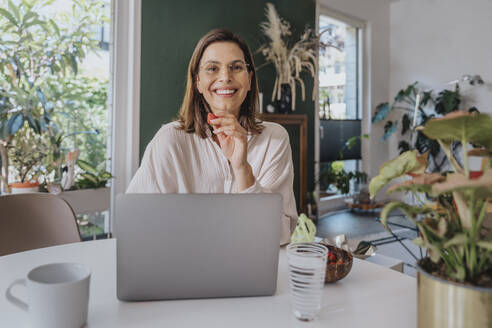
307 269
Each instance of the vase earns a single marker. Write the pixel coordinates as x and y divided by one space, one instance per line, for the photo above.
445 304
284 104
24 187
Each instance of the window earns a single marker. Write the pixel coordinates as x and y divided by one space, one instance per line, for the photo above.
66 44
339 105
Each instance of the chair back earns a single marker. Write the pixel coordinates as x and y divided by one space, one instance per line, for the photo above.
29 221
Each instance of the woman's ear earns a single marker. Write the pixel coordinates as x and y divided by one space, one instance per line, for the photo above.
250 78
197 81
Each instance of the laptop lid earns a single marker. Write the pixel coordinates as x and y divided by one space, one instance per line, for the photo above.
176 246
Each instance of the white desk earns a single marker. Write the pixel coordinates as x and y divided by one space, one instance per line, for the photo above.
370 296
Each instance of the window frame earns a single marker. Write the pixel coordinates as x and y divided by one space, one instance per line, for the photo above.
125 129
336 203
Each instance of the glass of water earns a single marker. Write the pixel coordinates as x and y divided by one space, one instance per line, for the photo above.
307 269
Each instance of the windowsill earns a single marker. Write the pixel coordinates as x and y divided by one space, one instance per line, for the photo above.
333 203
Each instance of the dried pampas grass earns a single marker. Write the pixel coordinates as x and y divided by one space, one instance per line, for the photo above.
288 62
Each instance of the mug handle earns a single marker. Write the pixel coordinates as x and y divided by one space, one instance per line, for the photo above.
14 300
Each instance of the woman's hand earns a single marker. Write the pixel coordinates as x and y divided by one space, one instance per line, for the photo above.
233 140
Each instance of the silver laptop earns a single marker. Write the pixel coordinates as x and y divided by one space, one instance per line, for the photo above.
176 246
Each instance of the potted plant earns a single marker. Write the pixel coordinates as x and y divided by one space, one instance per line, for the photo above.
455 278
27 151
416 108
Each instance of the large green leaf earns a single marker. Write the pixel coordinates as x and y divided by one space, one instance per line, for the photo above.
407 162
473 127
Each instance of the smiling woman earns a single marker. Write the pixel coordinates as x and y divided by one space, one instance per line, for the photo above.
235 152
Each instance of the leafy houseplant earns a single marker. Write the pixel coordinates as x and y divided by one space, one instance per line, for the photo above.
334 174
36 55
27 150
430 106
459 247
289 61
91 178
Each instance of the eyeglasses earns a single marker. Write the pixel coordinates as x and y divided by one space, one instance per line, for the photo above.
214 68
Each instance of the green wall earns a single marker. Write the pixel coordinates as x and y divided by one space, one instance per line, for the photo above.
170 31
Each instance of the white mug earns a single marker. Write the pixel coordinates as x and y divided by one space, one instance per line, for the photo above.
57 295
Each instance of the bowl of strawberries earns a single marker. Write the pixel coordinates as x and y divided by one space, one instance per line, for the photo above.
339 263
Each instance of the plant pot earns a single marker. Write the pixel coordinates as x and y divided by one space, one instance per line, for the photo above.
24 187
88 200
284 104
445 304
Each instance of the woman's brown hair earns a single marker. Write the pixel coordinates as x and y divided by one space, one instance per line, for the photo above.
192 115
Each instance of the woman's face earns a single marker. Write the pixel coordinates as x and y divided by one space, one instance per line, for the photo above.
223 77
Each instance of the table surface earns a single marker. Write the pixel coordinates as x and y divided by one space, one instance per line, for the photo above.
370 296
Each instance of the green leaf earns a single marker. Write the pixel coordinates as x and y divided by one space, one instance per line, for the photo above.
34 124
15 123
90 177
458 239
473 127
485 244
410 211
86 167
8 16
389 129
382 111
13 8
448 101
407 162
460 273
28 16
405 124
34 22
55 27
73 63
105 176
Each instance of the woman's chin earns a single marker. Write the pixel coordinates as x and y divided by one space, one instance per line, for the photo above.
227 109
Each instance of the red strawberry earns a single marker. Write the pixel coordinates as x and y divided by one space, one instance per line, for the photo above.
210 117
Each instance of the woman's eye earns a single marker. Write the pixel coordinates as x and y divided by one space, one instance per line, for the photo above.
211 69
238 68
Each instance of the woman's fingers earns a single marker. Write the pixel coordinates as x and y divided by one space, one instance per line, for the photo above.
232 130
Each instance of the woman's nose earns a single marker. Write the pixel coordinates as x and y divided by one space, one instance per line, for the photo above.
225 74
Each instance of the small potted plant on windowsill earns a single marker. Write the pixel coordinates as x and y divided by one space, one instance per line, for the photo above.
455 279
27 151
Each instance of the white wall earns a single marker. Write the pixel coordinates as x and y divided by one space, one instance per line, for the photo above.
436 41
376 55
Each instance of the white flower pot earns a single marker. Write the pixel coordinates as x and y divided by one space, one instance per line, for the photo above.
24 187
88 200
